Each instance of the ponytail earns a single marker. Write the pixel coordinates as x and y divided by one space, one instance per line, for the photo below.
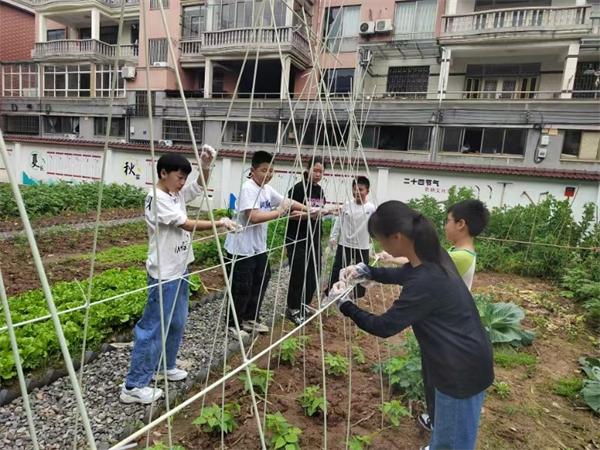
396 217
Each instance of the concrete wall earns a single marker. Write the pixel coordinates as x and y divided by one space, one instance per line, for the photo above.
56 162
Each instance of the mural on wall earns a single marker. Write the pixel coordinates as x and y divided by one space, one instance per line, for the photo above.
38 162
132 169
47 166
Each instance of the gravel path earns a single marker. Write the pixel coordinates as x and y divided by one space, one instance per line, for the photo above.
54 407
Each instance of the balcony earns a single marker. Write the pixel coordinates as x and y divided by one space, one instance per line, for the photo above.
82 49
235 42
502 22
109 3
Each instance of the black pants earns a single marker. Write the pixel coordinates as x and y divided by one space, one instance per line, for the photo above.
249 278
429 391
305 268
344 257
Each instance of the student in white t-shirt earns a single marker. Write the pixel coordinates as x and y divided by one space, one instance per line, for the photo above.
172 243
350 236
248 265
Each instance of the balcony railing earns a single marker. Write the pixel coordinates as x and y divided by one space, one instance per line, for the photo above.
82 48
267 39
111 3
518 19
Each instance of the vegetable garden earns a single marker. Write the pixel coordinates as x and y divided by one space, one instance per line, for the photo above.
537 288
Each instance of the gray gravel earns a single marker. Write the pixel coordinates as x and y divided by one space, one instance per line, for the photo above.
54 406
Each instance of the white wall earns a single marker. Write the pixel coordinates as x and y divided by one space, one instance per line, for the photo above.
75 164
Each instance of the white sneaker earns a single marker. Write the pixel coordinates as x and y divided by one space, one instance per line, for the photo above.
145 395
252 326
174 374
234 334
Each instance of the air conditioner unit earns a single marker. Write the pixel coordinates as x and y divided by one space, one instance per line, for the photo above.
384 26
367 28
165 142
128 72
160 64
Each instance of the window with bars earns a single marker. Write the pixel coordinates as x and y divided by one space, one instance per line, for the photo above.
178 131
141 103
587 80
505 141
22 124
501 81
410 79
155 5
20 80
104 74
158 50
397 138
260 132
61 125
117 126
582 144
71 80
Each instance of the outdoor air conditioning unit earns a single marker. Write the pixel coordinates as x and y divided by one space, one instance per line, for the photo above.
165 142
128 72
384 26
367 28
160 64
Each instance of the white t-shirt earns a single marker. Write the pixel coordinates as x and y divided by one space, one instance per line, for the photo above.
350 228
174 242
252 240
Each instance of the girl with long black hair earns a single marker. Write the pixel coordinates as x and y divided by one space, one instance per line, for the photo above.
456 352
303 241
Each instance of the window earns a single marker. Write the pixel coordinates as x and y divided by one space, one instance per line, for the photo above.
117 126
507 141
260 132
61 125
397 138
246 14
155 5
193 22
104 74
481 5
158 49
582 144
67 81
586 81
501 81
56 35
339 81
413 80
141 103
341 28
22 124
178 131
415 19
20 80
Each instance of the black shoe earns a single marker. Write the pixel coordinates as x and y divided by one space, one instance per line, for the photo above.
294 316
425 421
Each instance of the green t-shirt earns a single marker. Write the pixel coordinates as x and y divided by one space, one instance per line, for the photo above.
464 260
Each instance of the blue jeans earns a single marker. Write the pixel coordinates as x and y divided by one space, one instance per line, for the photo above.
456 422
147 336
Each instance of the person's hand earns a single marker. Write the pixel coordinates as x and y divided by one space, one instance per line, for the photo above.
284 207
355 274
228 224
332 244
297 214
207 156
384 256
340 294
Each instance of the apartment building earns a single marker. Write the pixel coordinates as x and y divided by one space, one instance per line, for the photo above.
509 88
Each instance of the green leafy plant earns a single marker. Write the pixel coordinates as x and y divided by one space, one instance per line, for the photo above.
214 419
291 347
501 389
394 411
161 446
259 379
283 435
502 321
336 365
591 385
358 355
358 442
311 401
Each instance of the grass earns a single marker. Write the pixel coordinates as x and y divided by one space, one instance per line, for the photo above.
509 359
569 387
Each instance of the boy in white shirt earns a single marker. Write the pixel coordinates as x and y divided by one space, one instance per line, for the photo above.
249 269
173 242
350 234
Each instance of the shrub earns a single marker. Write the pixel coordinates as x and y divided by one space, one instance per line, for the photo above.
214 419
291 347
394 411
336 365
259 379
282 434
